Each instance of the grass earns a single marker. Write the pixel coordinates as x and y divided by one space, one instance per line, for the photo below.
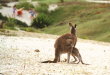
24 5
30 29
92 20
51 1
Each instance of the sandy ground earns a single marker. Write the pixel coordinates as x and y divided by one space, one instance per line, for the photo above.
18 56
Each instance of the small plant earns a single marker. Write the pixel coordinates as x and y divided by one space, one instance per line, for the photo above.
41 21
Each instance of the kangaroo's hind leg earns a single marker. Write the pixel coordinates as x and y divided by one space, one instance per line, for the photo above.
68 57
75 59
69 52
57 56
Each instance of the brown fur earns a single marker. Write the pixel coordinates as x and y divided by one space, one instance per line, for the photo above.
65 44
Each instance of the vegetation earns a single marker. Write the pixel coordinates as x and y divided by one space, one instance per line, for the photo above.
55 1
25 5
11 23
2 17
41 21
0 6
92 20
42 8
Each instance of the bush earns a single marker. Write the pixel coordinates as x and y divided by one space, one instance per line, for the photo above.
12 23
25 5
17 22
41 21
42 8
20 23
13 20
0 6
2 17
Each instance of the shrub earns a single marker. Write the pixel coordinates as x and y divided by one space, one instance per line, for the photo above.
42 8
2 17
13 20
20 23
12 23
25 5
0 6
16 22
41 21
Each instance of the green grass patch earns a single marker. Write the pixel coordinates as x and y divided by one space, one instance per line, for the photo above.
30 29
92 23
51 1
92 20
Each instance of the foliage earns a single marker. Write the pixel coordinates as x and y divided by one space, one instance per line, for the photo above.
2 17
12 23
0 6
41 21
25 5
42 8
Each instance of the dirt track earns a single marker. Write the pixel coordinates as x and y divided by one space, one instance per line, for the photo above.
18 56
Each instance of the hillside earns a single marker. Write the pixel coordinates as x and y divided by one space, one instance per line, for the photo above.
92 20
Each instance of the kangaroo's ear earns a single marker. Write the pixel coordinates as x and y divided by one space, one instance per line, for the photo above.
70 24
75 25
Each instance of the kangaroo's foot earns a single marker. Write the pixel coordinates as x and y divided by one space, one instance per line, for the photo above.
85 64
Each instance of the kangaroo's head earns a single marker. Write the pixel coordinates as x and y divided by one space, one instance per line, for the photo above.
73 28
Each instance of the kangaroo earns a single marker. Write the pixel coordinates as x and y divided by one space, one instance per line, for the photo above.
65 44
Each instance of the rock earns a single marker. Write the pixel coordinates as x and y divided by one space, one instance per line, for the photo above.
37 50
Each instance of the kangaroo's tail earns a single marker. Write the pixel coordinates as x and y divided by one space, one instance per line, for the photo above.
49 61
